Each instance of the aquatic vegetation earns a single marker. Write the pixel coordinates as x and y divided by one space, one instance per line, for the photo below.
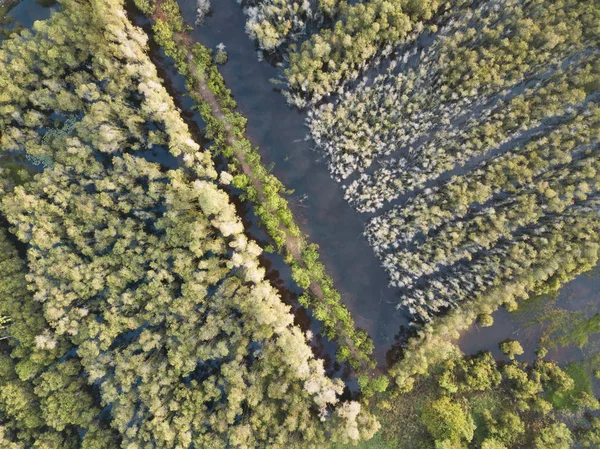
135 310
581 393
202 9
221 54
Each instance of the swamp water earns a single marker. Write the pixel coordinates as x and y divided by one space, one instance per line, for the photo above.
318 203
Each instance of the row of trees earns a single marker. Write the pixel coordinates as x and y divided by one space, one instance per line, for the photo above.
227 128
538 108
503 174
453 241
538 262
512 82
520 252
566 92
406 265
470 61
321 65
155 324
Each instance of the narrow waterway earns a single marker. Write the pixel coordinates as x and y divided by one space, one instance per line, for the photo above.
279 132
277 271
317 202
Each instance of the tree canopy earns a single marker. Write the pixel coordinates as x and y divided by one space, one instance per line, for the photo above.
153 323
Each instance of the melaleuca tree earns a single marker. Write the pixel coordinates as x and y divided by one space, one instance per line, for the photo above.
507 401
555 436
274 23
146 270
447 422
507 173
499 94
500 85
44 397
320 65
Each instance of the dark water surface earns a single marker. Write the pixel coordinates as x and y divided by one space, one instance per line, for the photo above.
527 324
28 11
318 204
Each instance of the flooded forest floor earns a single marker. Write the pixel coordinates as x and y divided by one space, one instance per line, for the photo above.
322 213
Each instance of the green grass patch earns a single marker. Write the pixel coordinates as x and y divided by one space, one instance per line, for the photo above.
581 332
580 373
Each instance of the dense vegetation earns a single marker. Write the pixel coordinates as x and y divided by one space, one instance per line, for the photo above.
134 312
274 23
227 127
149 322
480 403
469 132
474 147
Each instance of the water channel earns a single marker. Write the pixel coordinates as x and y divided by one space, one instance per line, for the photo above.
317 202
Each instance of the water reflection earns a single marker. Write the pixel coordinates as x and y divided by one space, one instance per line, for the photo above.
317 202
533 319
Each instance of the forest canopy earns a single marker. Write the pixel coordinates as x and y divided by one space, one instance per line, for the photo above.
136 310
152 323
467 132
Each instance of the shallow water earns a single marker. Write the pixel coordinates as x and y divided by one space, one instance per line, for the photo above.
28 11
527 325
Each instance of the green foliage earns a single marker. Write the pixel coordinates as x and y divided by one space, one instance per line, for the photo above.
301 277
555 436
42 388
221 55
447 421
511 348
485 320
578 388
147 299
513 87
227 127
591 435
492 443
489 403
335 55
